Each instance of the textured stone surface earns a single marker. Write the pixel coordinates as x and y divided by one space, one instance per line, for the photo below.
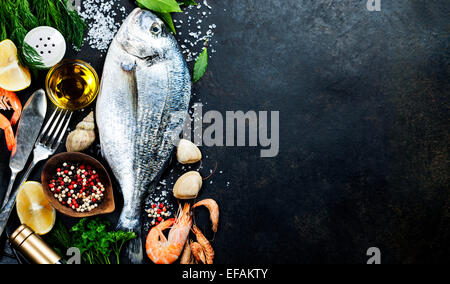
363 100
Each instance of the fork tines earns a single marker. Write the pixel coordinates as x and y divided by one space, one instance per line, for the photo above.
56 126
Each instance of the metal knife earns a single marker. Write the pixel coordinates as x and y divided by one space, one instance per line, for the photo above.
30 124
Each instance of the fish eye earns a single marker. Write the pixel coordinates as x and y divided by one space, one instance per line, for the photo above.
155 29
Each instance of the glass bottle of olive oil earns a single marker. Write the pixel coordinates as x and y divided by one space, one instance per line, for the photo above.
72 84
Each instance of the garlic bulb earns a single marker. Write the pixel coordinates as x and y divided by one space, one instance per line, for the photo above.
188 152
83 136
188 186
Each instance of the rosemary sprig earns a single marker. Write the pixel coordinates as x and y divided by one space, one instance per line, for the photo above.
26 16
61 15
3 35
17 26
18 23
48 14
3 32
75 26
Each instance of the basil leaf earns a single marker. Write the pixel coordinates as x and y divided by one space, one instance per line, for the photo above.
187 3
161 6
200 65
167 18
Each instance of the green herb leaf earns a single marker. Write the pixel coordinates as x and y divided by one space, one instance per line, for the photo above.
187 3
26 16
60 236
72 26
96 243
200 65
3 34
167 18
161 6
30 57
18 17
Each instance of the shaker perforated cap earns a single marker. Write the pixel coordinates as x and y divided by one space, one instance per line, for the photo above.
49 43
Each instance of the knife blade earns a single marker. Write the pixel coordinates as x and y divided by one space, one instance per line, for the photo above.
30 124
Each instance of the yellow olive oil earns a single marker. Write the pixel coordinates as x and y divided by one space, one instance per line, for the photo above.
72 84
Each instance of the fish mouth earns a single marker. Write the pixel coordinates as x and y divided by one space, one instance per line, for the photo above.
136 45
152 59
149 60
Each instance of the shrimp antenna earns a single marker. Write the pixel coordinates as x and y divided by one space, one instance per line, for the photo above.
215 169
200 166
195 223
178 211
193 214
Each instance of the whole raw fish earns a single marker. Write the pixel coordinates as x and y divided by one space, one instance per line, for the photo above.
143 102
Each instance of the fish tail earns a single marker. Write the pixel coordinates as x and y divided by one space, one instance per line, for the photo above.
134 248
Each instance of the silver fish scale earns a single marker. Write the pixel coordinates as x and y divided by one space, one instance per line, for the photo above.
116 123
165 112
142 105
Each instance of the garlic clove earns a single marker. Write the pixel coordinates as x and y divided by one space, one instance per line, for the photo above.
188 186
188 152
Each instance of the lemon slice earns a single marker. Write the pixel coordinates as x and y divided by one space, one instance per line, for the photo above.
13 76
33 208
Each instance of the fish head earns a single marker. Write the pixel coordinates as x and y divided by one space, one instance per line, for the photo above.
145 36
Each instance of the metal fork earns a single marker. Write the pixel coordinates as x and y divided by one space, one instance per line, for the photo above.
46 145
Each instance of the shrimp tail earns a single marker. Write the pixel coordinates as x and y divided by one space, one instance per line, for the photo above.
186 258
198 252
205 244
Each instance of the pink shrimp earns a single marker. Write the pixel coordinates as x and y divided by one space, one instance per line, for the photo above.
8 101
9 134
213 211
166 251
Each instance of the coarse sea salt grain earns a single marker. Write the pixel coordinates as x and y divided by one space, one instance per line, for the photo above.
199 31
103 20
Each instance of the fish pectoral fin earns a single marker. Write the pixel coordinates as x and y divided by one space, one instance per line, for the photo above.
130 70
128 66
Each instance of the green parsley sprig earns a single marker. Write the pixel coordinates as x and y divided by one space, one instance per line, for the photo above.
97 244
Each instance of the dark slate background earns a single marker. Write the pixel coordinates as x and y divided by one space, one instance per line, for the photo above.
363 101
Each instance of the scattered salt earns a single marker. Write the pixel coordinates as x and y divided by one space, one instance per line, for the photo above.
103 20
197 16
